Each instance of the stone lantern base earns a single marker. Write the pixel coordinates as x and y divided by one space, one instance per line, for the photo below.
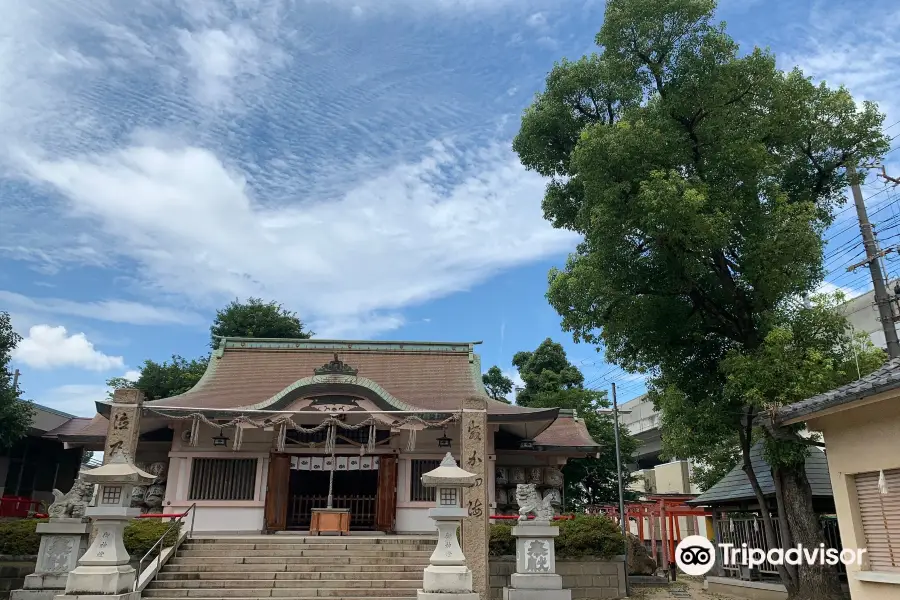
63 541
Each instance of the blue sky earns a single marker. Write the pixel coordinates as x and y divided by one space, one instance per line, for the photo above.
348 158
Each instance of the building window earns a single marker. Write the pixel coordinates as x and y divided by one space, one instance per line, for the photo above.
417 491
223 479
880 516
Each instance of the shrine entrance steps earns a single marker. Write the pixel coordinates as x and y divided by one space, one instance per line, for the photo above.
297 567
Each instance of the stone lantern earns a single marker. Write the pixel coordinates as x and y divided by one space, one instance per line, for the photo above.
103 570
447 577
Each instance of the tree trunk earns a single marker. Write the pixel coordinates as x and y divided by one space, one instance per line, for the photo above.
815 582
745 435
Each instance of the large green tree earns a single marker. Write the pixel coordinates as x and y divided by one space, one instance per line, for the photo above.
701 180
252 318
164 379
257 318
15 413
498 385
551 381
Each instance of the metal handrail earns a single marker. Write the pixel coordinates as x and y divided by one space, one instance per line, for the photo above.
177 521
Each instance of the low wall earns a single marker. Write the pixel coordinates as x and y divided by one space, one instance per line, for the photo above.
588 578
13 570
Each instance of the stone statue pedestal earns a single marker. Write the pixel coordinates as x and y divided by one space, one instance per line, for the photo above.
63 541
535 577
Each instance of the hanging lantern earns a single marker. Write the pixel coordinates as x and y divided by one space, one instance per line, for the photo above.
221 439
444 441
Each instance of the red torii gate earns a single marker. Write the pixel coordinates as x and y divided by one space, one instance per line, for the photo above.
667 508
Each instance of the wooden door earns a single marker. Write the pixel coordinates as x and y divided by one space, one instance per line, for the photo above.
277 490
386 498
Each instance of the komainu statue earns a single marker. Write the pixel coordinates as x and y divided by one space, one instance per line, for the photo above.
529 501
72 504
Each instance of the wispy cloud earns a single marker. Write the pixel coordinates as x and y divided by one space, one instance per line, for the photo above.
114 311
212 149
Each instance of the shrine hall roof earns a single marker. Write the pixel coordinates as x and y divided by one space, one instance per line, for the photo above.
264 374
269 374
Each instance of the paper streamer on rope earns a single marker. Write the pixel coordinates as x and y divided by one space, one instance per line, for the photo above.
195 432
371 441
882 484
411 444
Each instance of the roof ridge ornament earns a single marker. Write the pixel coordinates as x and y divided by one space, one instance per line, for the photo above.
336 367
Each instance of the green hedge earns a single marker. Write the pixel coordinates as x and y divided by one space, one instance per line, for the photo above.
18 536
580 537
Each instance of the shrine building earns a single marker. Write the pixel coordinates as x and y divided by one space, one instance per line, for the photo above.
256 444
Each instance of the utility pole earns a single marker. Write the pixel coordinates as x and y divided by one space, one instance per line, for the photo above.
15 381
882 299
623 518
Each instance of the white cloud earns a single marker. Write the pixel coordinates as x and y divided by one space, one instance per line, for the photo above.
76 399
47 347
855 46
132 375
219 151
115 311
402 237
538 19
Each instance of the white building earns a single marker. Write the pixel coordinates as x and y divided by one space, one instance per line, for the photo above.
863 316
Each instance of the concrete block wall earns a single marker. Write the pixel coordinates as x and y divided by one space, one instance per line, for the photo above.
588 578
13 570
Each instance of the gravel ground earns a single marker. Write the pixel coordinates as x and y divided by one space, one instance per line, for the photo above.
686 588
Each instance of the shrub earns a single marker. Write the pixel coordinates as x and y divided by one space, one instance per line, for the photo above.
501 542
583 536
141 534
18 536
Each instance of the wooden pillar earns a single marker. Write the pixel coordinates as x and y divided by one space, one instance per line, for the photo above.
473 458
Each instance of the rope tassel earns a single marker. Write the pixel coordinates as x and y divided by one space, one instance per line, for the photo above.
238 438
882 484
282 437
330 439
371 441
411 444
195 431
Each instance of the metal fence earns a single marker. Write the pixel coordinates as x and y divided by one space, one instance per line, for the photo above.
749 530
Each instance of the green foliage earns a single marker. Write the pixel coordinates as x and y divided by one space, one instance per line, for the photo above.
255 318
501 541
166 379
18 536
141 534
546 370
15 413
551 381
497 384
583 536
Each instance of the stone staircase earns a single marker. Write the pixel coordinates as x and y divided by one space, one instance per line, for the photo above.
298 567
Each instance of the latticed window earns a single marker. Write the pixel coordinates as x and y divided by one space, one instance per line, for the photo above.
223 479
880 515
417 491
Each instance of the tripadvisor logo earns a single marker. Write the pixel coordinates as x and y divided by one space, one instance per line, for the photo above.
696 555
